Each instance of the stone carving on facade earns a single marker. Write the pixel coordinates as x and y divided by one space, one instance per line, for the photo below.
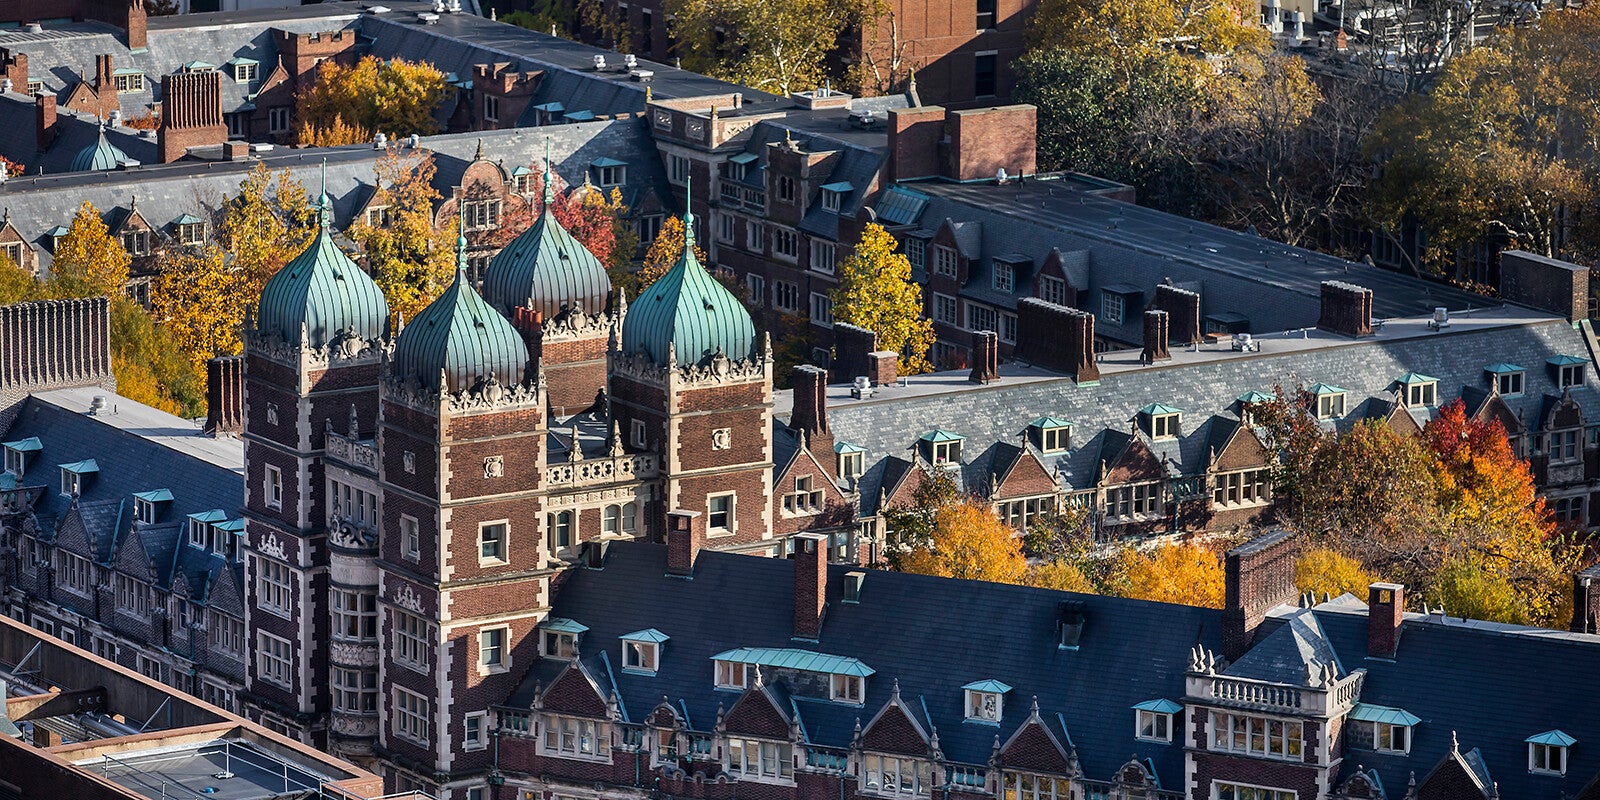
722 439
486 394
345 347
494 466
407 598
408 462
364 726
271 546
575 323
353 655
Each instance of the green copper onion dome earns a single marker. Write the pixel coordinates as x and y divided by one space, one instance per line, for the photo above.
545 268
688 312
100 156
323 293
459 338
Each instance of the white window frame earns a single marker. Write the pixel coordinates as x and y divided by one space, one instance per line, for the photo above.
474 730
274 660
491 108
946 310
1055 438
823 257
1232 732
729 514
1232 790
759 760
786 296
501 553
413 641
494 649
278 119
355 615
732 675
1113 308
785 244
571 737
757 286
558 644
1152 726
916 249
1422 394
821 310
896 776
1330 406
1034 786
831 200
1570 375
945 263
1242 488
1541 756
846 688
274 587
851 465
1004 278
984 706
410 538
1165 426
981 317
128 82
1052 290
355 691
245 73
1384 736
755 236
273 487
1510 384
640 656
411 711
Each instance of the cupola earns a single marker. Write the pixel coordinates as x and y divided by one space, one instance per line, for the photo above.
322 293
687 315
545 268
458 341
101 156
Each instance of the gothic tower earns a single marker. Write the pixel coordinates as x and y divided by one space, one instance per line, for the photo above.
312 357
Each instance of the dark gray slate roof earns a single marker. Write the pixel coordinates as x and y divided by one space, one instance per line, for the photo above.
1205 384
38 204
964 631
1275 286
1490 685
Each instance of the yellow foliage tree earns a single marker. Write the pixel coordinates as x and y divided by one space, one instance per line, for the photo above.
1187 574
395 97
968 541
1061 575
776 47
89 261
664 252
1467 586
150 366
1326 571
409 260
876 292
265 225
17 285
1130 29
201 301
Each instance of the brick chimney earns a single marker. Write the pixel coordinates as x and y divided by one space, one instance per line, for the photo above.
1184 308
984 141
1386 608
985 357
1259 575
915 135
810 414
1586 601
1346 309
1056 338
44 112
810 584
191 113
224 395
1155 337
686 533
15 67
852 351
136 25
883 367
105 88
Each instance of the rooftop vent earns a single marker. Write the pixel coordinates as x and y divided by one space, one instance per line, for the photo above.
34 27
599 61
861 387
1069 623
379 141
96 404
1440 320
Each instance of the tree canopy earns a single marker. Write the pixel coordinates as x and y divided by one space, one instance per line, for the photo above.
89 261
876 292
775 47
395 97
664 252
409 259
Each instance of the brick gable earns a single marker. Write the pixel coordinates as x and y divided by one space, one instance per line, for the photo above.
1033 748
573 692
1024 476
1243 450
757 714
894 731
1452 779
1135 463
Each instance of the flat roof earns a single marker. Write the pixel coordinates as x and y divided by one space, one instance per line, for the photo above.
222 769
172 432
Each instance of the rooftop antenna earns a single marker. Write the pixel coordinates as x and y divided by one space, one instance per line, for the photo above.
688 214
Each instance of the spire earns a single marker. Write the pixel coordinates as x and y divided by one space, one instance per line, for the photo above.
478 156
461 241
549 184
324 205
688 213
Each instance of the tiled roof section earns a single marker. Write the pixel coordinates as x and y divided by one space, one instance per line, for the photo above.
459 339
688 316
1490 685
892 420
737 601
320 294
1296 653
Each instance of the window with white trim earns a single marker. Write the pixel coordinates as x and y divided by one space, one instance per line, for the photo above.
492 541
1055 438
1028 786
410 538
274 487
273 581
983 706
473 729
227 633
757 286
412 639
805 499
785 244
559 525
944 261
821 310
846 688
1570 375
831 200
16 461
639 656
570 736
822 256
1004 277
492 655
1547 759
719 513
1134 500
981 318
1330 405
727 227
13 251
278 120
1164 426
784 189
1256 736
355 616
946 310
129 82
72 572
896 775
731 675
1022 512
679 169
1152 726
243 73
785 296
916 252
1113 307
1008 327
850 465
481 214
1421 394
1223 790
755 236
410 715
355 691
1242 488
274 660
753 758
1509 383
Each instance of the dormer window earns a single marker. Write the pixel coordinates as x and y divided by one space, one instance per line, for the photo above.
1004 277
641 650
1508 379
1329 399
148 505
1547 753
202 533
190 229
984 701
128 80
1419 390
852 460
1161 421
1051 434
1567 370
245 70
833 196
732 675
558 637
846 688
942 447
1153 720
1380 728
522 180
74 475
17 454
609 172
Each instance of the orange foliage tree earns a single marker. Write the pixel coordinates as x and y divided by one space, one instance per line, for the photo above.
968 541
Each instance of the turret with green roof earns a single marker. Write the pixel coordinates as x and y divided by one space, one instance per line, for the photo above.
545 268
459 339
687 316
101 156
322 293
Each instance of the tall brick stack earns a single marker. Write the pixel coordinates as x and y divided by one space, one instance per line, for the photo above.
1259 575
1183 310
191 113
53 344
1057 338
1346 309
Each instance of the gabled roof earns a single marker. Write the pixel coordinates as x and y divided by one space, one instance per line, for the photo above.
1367 712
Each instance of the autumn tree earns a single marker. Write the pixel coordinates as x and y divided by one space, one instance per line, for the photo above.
89 261
1188 574
775 47
17 285
967 540
876 292
394 97
201 300
266 224
150 366
664 252
910 525
1323 570
409 259
1502 148
1061 575
1131 30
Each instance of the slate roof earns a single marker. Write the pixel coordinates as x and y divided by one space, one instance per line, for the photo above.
1275 286
1492 685
921 630
166 192
1205 385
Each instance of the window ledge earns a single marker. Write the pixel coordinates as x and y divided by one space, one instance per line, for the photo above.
639 671
989 722
1155 739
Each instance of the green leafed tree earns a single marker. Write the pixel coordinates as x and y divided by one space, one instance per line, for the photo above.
777 47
